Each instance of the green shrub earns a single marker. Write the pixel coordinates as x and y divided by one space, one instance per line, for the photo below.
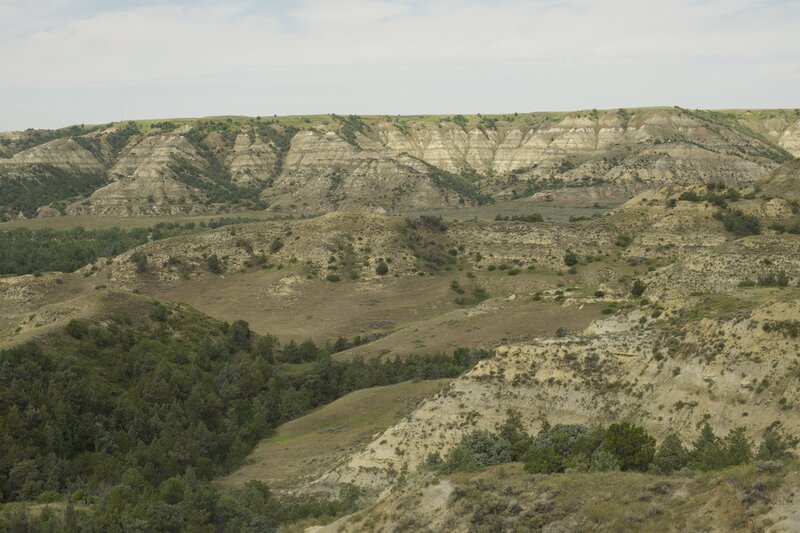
570 259
382 268
671 455
775 447
477 450
631 444
275 245
603 461
333 278
774 279
638 288
562 446
214 264
139 260
77 329
739 223
623 241
159 312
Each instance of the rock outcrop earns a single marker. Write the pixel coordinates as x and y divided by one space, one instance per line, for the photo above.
405 163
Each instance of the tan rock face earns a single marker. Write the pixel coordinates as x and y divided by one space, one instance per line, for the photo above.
324 172
252 161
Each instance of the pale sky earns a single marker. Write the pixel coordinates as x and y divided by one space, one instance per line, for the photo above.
64 62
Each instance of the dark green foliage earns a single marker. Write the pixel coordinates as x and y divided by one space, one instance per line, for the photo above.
239 335
214 264
266 347
638 287
623 241
738 448
739 223
603 461
139 260
121 135
159 313
275 245
535 217
789 328
117 400
226 221
623 446
479 294
631 444
570 259
707 453
477 450
774 279
165 126
333 278
456 287
427 239
181 503
49 184
382 268
710 452
24 251
457 183
434 222
281 138
351 125
77 329
562 446
671 455
775 447
720 199
459 120
515 434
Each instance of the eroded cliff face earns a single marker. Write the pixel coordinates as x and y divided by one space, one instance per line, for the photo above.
145 181
406 163
322 172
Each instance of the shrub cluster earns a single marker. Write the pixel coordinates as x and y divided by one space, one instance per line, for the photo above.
739 223
623 446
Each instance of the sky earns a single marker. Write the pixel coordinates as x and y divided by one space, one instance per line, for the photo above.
68 62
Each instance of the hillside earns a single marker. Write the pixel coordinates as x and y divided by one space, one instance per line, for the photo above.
386 164
471 368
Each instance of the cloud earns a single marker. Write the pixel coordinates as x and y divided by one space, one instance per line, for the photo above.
319 48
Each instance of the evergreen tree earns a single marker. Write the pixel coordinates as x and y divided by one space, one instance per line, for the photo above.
671 455
631 444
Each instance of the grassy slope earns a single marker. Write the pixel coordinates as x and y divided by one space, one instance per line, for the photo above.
305 447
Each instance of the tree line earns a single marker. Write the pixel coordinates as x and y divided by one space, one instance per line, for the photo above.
621 446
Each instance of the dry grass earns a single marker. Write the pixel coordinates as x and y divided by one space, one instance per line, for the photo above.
306 447
506 498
